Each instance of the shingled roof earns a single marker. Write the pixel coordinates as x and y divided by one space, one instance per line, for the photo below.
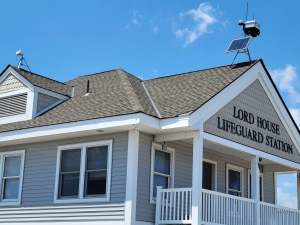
186 92
117 92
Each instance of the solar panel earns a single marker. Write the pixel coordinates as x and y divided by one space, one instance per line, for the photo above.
239 44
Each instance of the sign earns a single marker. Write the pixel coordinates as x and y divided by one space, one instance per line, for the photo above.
255 135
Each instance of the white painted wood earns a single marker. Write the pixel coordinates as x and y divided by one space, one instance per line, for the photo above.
219 208
11 202
174 206
83 147
156 146
197 181
131 177
298 190
255 188
273 214
176 136
83 222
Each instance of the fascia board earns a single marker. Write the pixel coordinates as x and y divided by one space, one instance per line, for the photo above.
102 123
279 107
225 96
19 76
177 122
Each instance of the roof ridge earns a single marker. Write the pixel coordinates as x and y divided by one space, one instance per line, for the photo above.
93 74
37 74
253 62
132 96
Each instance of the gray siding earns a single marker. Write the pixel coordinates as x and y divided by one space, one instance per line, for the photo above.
39 181
183 174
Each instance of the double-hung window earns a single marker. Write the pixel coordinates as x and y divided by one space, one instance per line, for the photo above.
83 172
162 169
12 166
234 183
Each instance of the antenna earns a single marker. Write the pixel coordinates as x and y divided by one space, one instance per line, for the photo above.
251 30
22 61
247 13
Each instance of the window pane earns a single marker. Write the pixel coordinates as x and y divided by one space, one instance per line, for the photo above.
162 162
234 193
159 181
234 180
12 166
97 158
69 185
96 183
11 188
70 160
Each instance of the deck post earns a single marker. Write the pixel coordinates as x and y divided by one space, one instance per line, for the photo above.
255 190
298 189
158 204
197 181
131 177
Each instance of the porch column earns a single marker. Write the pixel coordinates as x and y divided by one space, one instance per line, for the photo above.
197 181
131 177
255 193
298 189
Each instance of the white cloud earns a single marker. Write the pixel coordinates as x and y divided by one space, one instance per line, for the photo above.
288 184
296 115
141 77
155 29
135 21
286 79
136 14
286 199
203 17
155 70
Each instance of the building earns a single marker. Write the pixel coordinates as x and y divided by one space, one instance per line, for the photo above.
202 147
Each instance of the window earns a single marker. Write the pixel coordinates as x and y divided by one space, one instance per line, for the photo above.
83 172
234 183
12 165
261 186
162 169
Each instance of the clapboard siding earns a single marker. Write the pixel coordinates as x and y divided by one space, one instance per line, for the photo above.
183 173
39 181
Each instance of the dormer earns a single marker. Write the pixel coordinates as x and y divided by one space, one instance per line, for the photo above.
25 95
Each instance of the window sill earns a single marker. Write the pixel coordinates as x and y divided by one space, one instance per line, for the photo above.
13 203
83 200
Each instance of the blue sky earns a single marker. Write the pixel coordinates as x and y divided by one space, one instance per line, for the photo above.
66 39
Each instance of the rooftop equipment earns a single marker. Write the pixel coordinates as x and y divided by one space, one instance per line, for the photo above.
251 30
22 61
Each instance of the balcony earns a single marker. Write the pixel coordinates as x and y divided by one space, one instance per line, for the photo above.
174 206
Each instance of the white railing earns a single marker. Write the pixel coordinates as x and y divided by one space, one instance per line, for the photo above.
174 206
218 208
277 215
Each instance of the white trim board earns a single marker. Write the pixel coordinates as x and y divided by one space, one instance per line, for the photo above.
171 151
261 175
82 173
104 222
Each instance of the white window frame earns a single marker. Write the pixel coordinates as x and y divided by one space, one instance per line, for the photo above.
237 169
83 147
3 155
215 164
170 150
262 184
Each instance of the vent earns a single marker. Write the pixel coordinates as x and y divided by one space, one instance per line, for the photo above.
13 105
